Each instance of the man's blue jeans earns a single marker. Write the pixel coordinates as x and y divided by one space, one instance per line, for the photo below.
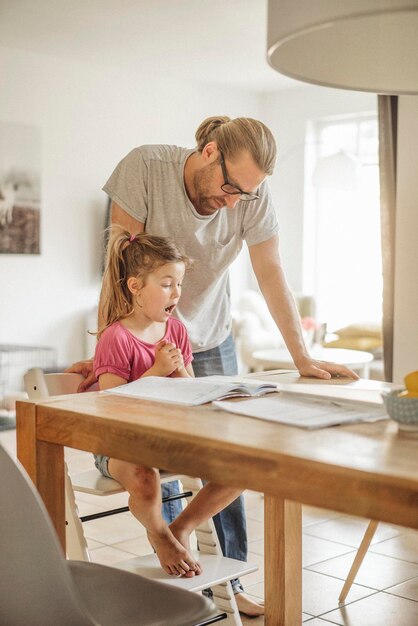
230 523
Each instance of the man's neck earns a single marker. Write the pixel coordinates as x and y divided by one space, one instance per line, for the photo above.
190 168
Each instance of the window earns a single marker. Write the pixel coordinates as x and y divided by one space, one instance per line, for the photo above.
342 254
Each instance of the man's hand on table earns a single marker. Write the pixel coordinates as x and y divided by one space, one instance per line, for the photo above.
324 369
85 368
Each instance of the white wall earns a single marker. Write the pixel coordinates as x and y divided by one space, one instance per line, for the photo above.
90 116
405 354
287 113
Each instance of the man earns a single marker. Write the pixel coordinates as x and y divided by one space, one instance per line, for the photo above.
209 200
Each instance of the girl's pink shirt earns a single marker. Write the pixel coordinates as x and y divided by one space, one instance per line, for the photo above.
119 352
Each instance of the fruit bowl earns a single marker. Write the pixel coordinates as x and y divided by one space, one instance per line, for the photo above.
402 409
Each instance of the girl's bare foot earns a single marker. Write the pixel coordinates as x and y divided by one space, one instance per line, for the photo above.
175 559
184 538
248 606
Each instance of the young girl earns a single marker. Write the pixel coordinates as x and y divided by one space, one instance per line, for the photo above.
142 283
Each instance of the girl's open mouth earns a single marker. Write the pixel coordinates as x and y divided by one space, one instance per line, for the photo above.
170 309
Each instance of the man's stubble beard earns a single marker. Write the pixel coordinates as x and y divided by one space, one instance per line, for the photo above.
201 182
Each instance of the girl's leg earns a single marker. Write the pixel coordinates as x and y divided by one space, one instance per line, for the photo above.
211 499
143 486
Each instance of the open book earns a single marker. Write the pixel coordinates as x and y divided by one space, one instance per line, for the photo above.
192 391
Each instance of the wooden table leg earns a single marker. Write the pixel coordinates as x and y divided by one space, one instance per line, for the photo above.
44 463
282 562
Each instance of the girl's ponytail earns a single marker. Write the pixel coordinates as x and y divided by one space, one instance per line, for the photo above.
130 255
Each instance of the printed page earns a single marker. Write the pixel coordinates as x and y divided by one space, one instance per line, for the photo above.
294 412
350 393
252 385
190 391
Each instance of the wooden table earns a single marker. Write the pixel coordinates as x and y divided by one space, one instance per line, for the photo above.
369 470
275 358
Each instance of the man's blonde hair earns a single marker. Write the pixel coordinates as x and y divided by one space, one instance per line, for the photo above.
234 136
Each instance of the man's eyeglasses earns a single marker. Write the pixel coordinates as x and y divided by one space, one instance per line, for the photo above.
234 190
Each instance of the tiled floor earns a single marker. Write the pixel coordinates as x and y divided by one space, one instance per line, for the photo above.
386 589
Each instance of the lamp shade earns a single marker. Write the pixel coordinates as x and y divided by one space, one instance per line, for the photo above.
363 45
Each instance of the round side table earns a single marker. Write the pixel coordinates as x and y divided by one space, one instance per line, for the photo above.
279 358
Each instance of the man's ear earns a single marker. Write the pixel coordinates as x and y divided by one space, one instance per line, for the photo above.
210 152
134 285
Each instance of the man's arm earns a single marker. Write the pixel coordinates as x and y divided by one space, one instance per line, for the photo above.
118 216
265 259
121 217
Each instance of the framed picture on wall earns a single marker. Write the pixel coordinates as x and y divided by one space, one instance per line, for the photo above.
20 189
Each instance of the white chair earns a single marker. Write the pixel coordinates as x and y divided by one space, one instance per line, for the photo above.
218 571
358 559
39 587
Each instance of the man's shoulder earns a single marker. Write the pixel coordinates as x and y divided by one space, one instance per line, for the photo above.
161 152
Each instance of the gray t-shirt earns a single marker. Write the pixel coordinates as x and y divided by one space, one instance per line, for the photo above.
149 185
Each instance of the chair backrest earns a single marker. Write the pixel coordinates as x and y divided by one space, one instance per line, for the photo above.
39 385
36 586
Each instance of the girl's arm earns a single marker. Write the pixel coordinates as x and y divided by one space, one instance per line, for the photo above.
108 380
184 372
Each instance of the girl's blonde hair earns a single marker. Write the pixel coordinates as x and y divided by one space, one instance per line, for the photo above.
131 256
234 136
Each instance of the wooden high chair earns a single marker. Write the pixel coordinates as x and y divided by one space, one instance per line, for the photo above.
218 570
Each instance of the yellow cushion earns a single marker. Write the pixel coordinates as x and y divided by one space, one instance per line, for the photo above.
362 329
355 343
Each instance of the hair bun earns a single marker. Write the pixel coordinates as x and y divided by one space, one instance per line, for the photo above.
207 129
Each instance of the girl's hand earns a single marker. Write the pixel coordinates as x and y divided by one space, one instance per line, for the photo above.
168 358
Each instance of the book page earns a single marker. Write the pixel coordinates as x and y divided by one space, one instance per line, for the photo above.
190 391
350 393
174 390
252 385
296 412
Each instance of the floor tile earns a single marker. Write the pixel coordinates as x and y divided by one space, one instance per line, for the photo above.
255 529
254 577
314 550
380 609
109 555
78 460
88 508
316 621
306 617
320 593
114 529
256 547
255 513
253 499
107 502
313 515
138 546
377 571
404 547
92 544
350 530
256 590
408 589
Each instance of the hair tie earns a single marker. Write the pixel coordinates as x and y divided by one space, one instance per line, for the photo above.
131 238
